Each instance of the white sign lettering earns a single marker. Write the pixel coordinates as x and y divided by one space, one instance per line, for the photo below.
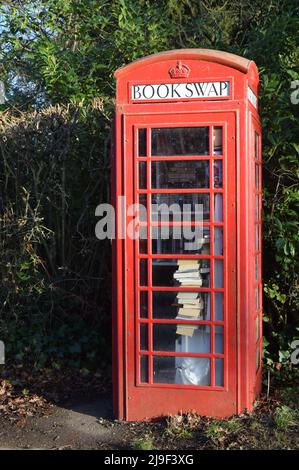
179 91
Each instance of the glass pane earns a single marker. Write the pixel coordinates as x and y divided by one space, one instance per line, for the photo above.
180 141
217 174
181 338
218 208
143 337
193 370
257 207
257 328
257 298
142 207
142 142
182 370
218 240
142 235
143 272
256 145
144 369
170 273
218 297
181 207
142 228
171 240
219 372
180 174
142 175
257 237
218 273
256 268
143 304
257 185
142 245
163 271
164 368
258 358
168 305
219 340
217 141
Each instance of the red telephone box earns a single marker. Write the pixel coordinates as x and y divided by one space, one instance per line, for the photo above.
187 322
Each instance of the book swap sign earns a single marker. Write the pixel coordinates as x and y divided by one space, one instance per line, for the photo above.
180 91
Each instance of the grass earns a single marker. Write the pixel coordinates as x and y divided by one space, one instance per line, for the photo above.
143 443
218 430
182 426
284 417
213 431
182 433
255 425
290 395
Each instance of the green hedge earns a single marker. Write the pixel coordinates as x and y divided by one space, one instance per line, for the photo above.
55 275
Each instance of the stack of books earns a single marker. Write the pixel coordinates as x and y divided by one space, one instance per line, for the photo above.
188 273
190 303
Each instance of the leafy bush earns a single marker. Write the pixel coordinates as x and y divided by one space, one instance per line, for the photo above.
55 274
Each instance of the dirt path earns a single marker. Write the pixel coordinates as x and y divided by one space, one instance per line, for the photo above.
79 425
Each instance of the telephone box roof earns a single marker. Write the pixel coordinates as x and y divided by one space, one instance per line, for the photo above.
210 55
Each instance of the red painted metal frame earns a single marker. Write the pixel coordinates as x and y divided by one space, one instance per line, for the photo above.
211 158
203 398
133 400
256 159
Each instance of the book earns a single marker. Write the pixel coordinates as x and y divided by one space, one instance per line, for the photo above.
182 304
188 267
185 330
189 300
179 274
187 295
187 305
196 303
185 282
189 270
190 306
187 262
190 312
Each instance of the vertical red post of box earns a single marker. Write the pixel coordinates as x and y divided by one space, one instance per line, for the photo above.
187 308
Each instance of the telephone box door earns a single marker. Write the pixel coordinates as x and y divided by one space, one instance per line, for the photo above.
180 311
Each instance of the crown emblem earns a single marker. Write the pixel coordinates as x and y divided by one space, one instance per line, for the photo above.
179 71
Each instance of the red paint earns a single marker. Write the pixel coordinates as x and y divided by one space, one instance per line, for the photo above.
134 400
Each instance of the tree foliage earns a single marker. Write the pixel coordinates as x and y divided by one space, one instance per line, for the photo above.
64 52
